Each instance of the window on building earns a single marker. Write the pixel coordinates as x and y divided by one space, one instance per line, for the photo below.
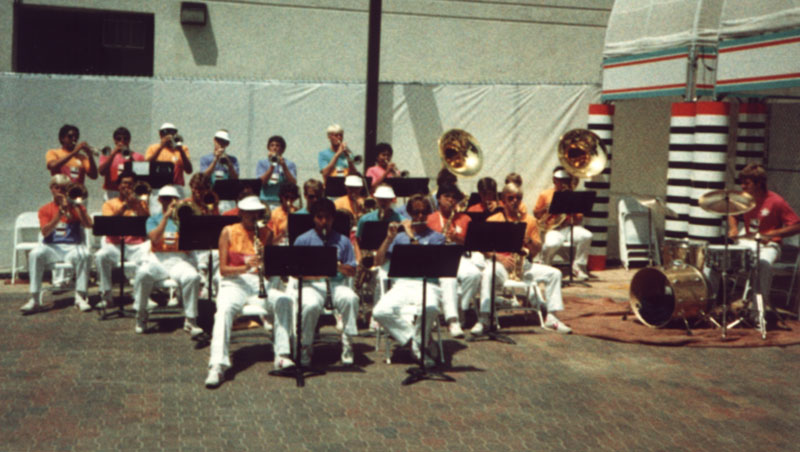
78 41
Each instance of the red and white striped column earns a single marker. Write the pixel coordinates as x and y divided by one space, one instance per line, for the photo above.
679 168
708 168
601 122
750 133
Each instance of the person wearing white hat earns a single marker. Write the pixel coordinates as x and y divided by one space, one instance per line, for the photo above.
334 161
219 165
240 260
353 201
166 261
558 226
170 149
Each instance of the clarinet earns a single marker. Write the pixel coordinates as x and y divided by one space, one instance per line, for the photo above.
262 290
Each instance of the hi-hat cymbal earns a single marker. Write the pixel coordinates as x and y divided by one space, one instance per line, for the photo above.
656 204
726 202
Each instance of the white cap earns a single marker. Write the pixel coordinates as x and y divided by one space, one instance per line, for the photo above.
335 128
168 126
250 203
353 181
223 134
384 192
168 191
561 174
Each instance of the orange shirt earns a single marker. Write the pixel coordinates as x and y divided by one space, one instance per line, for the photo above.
459 224
543 202
344 203
113 207
169 155
531 230
240 243
75 168
279 221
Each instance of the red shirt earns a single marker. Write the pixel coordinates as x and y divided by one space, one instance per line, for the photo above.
117 165
459 224
113 207
773 212
68 229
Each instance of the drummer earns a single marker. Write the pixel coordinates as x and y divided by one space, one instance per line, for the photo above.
768 222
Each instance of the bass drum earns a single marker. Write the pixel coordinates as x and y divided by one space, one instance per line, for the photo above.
659 294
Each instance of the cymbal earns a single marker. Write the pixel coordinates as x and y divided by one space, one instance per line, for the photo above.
738 202
656 204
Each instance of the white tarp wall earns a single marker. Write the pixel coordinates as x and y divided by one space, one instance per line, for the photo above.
518 126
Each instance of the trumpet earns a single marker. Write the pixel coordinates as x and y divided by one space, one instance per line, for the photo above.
142 190
126 152
77 194
210 200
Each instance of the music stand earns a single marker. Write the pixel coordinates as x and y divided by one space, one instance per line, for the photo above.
334 186
373 234
156 174
302 222
229 189
122 227
406 186
495 237
201 232
570 203
478 216
299 261
429 261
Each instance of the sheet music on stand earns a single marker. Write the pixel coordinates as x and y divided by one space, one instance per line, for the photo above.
156 174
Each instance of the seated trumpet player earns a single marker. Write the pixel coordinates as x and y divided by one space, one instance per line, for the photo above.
62 224
335 160
241 249
279 217
345 301
113 164
166 261
451 221
557 226
384 167
68 159
509 266
409 290
128 204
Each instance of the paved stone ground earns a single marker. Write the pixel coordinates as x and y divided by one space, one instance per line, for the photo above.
71 382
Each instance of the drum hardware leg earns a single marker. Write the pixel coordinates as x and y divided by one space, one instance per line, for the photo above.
686 324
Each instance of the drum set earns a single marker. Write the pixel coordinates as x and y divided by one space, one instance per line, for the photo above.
679 288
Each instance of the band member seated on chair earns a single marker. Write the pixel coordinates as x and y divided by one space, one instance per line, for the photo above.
345 301
557 226
532 273
62 225
68 159
487 190
353 201
516 179
384 167
113 164
409 290
240 264
453 223
385 198
166 261
334 160
313 190
279 218
136 248
772 218
275 170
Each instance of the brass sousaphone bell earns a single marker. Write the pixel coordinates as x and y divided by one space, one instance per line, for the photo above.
460 152
582 153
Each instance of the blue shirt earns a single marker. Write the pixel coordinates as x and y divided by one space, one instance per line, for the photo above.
324 158
373 216
269 190
428 237
344 249
155 219
220 171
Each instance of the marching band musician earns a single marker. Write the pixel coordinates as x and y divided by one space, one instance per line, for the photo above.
384 167
166 261
219 165
275 170
113 164
532 273
68 160
453 224
313 190
279 218
335 161
385 198
242 283
62 225
353 201
208 204
345 301
516 179
487 191
409 290
168 150
558 235
125 204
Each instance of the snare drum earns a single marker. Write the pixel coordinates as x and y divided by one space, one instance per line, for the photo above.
675 252
660 294
740 257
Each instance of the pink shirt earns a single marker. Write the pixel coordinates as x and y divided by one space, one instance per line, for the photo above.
770 214
376 172
117 165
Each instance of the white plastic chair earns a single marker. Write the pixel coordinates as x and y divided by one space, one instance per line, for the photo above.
26 238
531 291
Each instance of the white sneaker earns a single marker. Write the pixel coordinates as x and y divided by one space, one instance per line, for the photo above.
477 329
339 323
31 306
150 305
81 303
215 377
455 330
141 326
102 304
190 326
579 274
552 323
268 326
282 362
347 350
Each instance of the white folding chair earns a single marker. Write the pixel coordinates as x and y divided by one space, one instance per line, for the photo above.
532 293
635 234
26 238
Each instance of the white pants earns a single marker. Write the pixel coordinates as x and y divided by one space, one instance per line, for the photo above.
48 254
160 266
532 274
404 292
345 301
468 279
107 257
234 294
767 255
555 239
201 257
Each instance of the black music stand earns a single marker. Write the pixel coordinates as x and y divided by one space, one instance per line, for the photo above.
302 222
427 261
479 216
122 227
495 237
299 261
229 189
201 232
334 186
156 174
572 202
407 186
